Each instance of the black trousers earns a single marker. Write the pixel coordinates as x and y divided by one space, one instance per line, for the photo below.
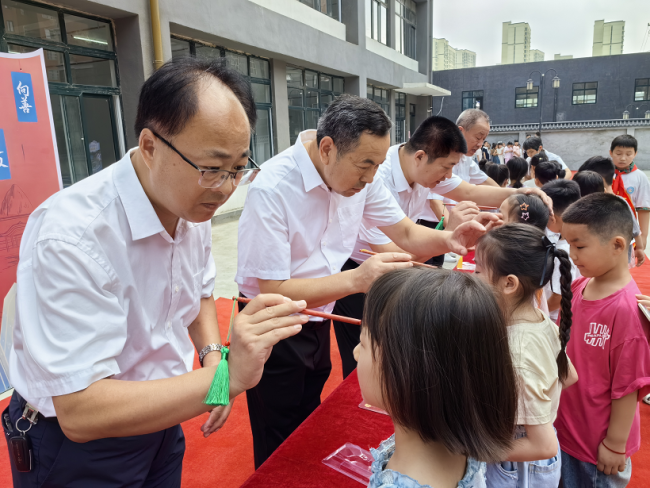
435 260
150 460
290 388
348 335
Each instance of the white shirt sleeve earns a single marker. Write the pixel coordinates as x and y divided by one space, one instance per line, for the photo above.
264 251
642 198
381 209
476 176
72 324
373 235
210 270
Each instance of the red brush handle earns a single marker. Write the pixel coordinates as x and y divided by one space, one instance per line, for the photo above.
315 313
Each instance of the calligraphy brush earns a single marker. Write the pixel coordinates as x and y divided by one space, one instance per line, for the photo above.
314 313
415 263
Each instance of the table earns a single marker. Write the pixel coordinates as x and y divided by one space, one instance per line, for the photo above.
298 461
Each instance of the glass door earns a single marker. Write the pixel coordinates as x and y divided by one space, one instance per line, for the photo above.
100 140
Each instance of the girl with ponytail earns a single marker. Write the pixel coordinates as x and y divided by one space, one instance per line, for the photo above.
517 260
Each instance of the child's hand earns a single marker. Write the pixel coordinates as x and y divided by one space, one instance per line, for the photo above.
609 462
643 300
639 254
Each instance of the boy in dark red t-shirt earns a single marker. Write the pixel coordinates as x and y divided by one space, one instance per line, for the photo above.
598 418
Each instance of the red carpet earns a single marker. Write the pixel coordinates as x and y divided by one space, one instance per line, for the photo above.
225 459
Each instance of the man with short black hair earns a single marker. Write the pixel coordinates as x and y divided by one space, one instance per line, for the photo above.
116 276
299 226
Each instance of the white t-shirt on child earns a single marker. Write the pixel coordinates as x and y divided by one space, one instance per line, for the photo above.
638 187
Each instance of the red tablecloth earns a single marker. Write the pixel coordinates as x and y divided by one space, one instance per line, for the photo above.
298 461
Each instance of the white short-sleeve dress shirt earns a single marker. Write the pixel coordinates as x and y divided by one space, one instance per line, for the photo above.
103 290
411 200
293 226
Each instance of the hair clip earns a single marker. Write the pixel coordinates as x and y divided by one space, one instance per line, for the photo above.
525 216
523 207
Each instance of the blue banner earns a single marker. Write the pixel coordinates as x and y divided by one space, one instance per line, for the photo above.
24 96
5 172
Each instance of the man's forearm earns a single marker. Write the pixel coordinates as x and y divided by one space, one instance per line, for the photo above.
489 182
417 239
115 408
205 330
316 291
480 194
620 421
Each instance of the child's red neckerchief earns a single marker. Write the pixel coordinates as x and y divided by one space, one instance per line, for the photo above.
618 187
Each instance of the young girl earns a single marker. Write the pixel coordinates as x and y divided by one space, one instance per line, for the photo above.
525 209
499 173
534 161
434 354
517 260
518 168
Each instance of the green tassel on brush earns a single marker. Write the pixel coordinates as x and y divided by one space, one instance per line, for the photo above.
219 392
441 223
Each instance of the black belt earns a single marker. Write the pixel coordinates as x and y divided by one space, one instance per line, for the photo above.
22 402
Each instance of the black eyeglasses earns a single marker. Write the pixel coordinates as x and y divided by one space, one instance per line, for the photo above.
214 178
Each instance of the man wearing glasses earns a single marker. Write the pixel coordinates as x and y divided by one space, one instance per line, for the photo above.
114 293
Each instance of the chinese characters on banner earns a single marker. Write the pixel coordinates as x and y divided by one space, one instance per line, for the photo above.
29 164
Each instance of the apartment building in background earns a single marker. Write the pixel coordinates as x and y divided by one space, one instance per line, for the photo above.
608 38
557 57
448 57
515 43
536 55
297 54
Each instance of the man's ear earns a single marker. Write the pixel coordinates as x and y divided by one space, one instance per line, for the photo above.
327 150
146 145
421 158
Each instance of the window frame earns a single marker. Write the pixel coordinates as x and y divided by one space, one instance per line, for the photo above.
528 92
473 97
577 91
304 108
374 9
69 88
403 23
315 5
400 103
645 87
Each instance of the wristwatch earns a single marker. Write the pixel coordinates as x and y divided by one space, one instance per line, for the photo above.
208 349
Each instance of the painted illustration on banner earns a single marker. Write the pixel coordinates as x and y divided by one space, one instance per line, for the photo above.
29 166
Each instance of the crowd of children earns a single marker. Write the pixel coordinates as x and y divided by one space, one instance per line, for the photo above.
529 372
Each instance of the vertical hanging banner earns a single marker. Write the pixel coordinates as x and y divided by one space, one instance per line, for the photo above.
29 166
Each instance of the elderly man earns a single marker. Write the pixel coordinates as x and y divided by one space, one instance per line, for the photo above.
115 277
299 226
426 162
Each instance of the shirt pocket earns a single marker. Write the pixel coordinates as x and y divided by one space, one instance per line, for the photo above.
350 220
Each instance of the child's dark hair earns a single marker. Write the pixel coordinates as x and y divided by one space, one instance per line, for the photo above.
538 158
518 168
589 182
437 137
548 171
563 193
533 142
603 166
605 215
528 209
482 164
498 172
625 140
440 340
524 251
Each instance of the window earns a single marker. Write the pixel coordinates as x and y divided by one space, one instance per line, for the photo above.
642 90
257 71
405 23
81 68
471 98
328 7
584 93
400 117
525 98
309 93
377 20
380 96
